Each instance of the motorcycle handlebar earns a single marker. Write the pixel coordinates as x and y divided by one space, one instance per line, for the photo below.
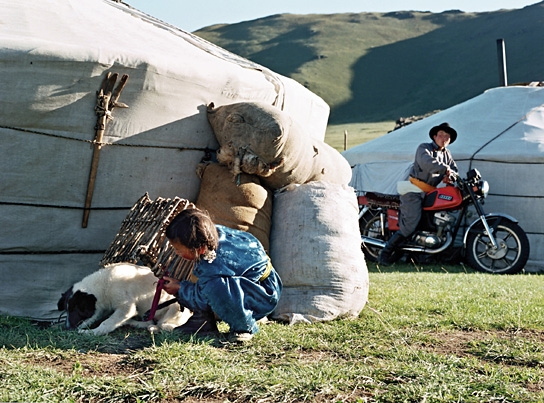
453 176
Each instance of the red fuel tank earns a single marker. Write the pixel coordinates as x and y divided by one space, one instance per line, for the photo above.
448 197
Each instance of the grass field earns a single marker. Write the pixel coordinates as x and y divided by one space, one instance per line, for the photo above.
427 334
344 136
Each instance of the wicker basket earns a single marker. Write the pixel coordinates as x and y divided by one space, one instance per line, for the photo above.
142 239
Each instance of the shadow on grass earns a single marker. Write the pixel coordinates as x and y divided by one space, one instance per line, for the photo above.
17 333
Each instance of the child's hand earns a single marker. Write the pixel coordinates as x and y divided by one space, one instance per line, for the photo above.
171 285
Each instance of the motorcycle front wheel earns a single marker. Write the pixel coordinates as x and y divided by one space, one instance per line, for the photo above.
511 255
370 225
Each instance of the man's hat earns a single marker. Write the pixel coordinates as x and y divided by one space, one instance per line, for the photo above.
446 127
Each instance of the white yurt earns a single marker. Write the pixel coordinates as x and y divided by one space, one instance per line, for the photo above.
60 207
500 133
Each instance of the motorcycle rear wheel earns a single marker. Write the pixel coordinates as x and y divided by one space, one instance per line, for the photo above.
509 258
370 226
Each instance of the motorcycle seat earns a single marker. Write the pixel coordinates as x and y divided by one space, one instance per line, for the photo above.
383 200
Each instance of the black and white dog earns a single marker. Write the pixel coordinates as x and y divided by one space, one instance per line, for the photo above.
120 293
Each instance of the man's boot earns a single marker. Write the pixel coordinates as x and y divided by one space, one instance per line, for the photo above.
387 255
201 322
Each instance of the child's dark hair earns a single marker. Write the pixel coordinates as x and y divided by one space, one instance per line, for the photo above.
193 228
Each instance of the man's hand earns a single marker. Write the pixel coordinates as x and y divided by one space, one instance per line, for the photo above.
448 176
171 285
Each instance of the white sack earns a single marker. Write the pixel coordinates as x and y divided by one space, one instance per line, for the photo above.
372 177
316 249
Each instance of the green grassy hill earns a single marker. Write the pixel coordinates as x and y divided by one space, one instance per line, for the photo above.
373 67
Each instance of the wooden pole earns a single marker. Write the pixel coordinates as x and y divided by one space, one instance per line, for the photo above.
345 140
106 101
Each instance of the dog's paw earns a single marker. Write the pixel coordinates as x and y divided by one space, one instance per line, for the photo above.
140 323
99 331
167 327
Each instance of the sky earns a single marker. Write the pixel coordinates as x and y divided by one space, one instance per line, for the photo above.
191 15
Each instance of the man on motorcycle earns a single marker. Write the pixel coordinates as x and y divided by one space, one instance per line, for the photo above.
433 163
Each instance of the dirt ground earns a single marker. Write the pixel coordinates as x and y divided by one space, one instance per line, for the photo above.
119 363
457 343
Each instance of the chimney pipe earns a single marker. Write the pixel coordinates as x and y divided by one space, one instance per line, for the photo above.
501 53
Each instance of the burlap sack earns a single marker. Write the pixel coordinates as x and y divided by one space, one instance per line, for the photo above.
260 139
316 249
239 203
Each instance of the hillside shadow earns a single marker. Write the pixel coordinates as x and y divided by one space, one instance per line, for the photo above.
284 53
416 76
285 59
244 31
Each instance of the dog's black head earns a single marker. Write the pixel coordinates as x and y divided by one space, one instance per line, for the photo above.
62 304
79 306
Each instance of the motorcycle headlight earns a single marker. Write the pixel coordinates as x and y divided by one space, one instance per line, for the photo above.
482 189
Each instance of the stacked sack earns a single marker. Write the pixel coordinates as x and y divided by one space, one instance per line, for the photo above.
314 239
241 203
260 139
316 248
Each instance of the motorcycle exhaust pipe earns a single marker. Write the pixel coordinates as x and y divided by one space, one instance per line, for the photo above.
373 241
419 249
381 244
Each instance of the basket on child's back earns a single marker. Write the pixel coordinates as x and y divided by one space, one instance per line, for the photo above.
142 238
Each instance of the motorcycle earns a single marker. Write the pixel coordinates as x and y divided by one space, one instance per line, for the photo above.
492 243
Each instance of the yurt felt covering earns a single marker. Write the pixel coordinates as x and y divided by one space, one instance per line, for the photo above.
54 55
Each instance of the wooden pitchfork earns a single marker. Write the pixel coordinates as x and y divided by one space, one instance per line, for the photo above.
107 99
